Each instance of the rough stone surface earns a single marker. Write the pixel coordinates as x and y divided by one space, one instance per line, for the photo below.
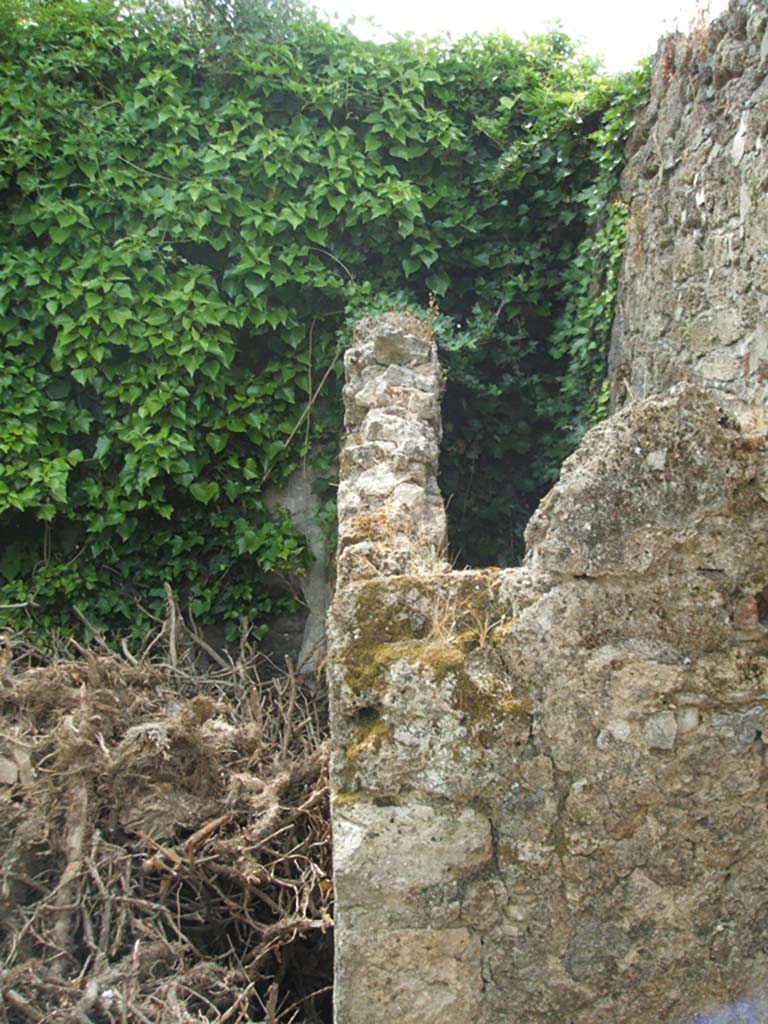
305 641
430 975
549 782
391 516
9 773
693 297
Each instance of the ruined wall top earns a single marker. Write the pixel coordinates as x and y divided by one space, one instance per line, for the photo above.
391 515
548 782
693 297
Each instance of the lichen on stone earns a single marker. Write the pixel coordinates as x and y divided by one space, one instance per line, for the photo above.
490 698
368 739
597 716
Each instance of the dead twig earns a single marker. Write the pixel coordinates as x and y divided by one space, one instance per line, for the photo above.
181 838
19 1003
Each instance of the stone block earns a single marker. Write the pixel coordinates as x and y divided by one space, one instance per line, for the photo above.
410 976
443 846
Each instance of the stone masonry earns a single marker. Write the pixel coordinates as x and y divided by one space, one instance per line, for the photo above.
693 302
549 782
391 515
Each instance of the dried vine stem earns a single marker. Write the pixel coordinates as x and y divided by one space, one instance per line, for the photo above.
166 851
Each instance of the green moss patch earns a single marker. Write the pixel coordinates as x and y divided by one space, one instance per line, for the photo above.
479 703
368 739
366 668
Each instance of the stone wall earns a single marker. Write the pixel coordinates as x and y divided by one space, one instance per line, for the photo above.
391 515
693 300
549 782
301 635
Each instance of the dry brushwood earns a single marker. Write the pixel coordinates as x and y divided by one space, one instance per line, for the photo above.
164 840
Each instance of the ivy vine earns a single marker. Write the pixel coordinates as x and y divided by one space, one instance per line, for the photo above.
194 202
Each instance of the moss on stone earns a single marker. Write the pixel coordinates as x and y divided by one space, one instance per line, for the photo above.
366 671
345 799
436 655
480 703
368 738
380 612
382 634
507 855
461 605
561 847
503 631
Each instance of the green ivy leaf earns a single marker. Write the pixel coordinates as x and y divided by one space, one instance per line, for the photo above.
438 282
204 492
216 226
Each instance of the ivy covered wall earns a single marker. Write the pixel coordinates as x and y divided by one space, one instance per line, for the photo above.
195 204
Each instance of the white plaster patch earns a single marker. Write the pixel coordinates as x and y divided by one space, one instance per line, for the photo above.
369 843
9 773
720 366
687 719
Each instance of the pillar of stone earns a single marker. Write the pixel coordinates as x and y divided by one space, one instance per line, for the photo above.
391 516
404 836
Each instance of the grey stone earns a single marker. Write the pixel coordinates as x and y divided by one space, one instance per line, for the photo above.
549 781
660 731
721 366
687 720
738 730
299 498
674 258
594 950
616 731
368 865
395 345
546 794
391 517
739 141
413 976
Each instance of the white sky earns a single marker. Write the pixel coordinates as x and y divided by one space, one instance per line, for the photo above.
619 32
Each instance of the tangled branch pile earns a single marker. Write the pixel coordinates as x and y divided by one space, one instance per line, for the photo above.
164 844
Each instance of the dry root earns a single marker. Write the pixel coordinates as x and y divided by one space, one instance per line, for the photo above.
164 844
